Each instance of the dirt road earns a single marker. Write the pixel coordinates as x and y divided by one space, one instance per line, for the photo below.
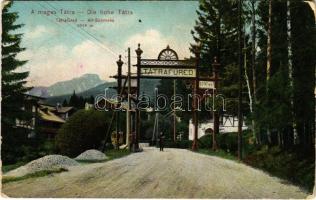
174 173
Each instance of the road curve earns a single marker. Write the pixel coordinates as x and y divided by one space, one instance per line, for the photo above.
174 173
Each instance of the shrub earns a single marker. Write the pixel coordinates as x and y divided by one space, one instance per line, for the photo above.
11 147
17 147
227 142
284 164
84 130
205 142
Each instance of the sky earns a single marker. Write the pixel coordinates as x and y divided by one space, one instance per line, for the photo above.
58 51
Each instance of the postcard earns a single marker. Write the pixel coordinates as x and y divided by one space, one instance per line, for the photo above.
211 99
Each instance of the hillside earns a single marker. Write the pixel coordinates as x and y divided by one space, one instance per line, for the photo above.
80 84
147 87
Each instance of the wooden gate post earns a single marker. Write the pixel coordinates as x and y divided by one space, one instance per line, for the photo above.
215 66
136 142
195 119
119 84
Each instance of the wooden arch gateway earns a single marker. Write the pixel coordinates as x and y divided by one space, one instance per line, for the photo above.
166 66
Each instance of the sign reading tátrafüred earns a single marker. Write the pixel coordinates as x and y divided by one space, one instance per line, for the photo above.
160 72
167 69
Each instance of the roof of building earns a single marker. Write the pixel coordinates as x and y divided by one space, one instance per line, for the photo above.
50 108
47 115
60 109
34 97
64 109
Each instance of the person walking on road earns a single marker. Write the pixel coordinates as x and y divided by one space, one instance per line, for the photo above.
161 141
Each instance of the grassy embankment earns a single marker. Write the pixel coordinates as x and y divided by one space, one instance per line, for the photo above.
291 165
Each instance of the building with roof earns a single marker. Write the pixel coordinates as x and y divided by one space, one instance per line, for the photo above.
31 104
63 112
228 124
51 118
46 119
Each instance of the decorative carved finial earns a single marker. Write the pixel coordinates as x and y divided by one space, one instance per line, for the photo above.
168 46
119 62
139 51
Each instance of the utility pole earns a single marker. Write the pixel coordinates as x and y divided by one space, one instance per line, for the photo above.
156 130
128 112
119 84
240 120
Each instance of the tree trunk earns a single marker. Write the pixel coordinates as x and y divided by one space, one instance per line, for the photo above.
269 59
240 117
253 67
269 46
248 88
290 65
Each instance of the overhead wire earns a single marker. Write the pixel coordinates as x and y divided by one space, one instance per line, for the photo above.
80 28
79 31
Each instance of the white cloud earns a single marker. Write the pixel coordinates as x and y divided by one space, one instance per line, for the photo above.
38 32
152 42
48 65
91 58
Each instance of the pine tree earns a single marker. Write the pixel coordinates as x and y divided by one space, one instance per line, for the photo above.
304 61
273 102
65 103
12 88
81 102
91 100
274 109
216 34
13 82
251 13
74 100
